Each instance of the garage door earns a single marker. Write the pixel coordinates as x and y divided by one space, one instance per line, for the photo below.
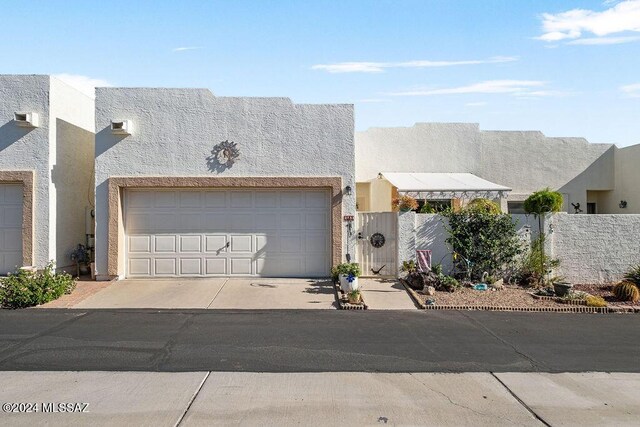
10 227
269 233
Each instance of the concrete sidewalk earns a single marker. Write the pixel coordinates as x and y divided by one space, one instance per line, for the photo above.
385 294
218 293
240 398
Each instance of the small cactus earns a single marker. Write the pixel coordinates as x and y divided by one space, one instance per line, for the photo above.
594 301
626 291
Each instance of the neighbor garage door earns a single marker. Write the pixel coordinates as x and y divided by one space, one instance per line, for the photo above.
10 227
271 233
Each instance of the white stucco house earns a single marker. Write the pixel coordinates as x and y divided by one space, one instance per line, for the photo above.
46 170
455 162
190 184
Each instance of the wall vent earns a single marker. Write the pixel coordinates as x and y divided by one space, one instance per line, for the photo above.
121 127
26 119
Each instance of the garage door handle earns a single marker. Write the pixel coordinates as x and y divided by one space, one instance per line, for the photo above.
227 245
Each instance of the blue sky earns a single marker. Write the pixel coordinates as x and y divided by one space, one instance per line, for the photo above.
567 68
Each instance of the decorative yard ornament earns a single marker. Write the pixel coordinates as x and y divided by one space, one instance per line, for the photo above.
223 156
377 240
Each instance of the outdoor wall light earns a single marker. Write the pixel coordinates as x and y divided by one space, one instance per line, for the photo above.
347 190
379 175
622 204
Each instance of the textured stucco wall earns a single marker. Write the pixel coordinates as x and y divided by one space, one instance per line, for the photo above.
28 148
72 118
595 248
406 237
176 129
424 147
627 183
524 161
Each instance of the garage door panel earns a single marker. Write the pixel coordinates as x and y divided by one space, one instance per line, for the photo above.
290 221
241 266
266 199
165 266
12 216
165 199
216 221
190 244
190 221
190 199
164 222
216 243
268 232
165 244
316 199
139 266
241 243
138 244
216 266
190 266
241 221
241 199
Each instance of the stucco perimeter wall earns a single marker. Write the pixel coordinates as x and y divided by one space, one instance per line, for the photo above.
529 161
176 129
424 147
27 149
595 248
72 119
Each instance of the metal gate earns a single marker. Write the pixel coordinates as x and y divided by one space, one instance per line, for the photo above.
377 248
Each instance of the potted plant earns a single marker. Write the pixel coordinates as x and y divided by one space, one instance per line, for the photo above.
560 286
404 204
347 273
354 297
81 257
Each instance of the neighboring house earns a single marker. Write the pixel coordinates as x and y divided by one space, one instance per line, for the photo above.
595 177
190 184
46 164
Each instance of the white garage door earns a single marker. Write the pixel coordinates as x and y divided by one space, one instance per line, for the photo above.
270 233
10 227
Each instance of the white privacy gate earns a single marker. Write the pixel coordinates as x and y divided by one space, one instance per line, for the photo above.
377 248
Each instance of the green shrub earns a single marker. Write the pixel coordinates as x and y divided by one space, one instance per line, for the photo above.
447 283
633 275
593 301
27 288
426 208
409 266
481 242
483 205
535 266
626 291
543 201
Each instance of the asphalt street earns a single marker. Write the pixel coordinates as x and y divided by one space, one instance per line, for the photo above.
317 341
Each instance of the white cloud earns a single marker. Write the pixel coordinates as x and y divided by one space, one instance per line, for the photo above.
182 49
84 84
605 40
572 24
632 90
379 67
490 86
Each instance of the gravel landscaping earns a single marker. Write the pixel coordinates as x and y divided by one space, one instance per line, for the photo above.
512 297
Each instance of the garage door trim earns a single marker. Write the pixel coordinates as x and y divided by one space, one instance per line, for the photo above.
116 240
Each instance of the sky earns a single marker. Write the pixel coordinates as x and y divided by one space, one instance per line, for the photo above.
566 68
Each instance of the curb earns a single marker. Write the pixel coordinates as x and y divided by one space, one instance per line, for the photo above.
343 304
574 308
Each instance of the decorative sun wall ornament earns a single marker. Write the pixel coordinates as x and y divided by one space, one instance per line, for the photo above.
377 240
223 156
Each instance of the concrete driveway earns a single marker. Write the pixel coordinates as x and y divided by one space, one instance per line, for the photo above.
227 293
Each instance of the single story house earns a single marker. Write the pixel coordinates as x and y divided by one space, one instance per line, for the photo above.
46 170
190 184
